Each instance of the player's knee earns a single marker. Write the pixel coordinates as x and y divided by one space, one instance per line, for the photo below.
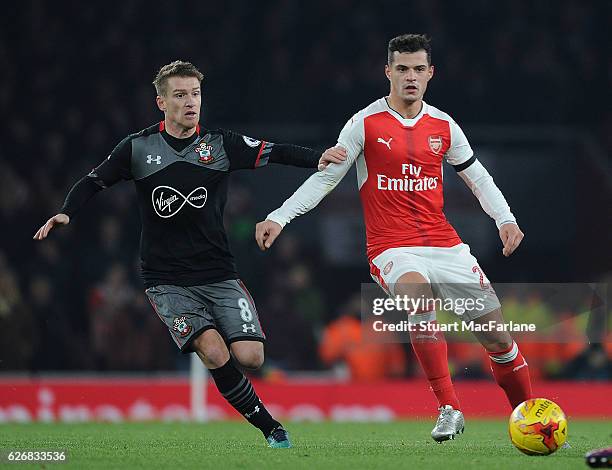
252 360
251 357
217 357
213 357
213 352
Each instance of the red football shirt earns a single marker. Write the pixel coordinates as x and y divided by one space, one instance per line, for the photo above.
399 172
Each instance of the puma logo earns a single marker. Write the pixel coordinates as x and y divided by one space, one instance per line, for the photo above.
383 141
423 336
518 367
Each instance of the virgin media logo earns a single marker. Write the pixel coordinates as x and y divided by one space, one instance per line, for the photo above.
168 201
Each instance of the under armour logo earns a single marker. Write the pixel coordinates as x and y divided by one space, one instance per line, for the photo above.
383 141
521 366
246 328
248 415
157 159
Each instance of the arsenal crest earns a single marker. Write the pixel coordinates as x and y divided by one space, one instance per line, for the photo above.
204 151
435 143
181 326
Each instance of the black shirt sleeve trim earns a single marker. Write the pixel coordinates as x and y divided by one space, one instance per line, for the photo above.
465 164
294 155
80 193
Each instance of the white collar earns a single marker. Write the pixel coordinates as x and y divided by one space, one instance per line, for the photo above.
403 121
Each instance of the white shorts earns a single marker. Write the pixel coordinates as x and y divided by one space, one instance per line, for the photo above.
453 273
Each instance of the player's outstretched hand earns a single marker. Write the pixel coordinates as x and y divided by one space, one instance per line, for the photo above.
511 236
266 232
58 219
335 154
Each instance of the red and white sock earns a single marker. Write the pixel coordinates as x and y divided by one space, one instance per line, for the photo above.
431 351
511 373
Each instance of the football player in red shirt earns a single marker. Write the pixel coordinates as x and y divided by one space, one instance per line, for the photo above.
398 144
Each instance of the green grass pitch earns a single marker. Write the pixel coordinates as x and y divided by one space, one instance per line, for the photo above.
404 444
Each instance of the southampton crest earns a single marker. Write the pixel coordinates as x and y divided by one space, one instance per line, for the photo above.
204 151
181 326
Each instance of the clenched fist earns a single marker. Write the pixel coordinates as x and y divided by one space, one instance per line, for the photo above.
511 236
265 233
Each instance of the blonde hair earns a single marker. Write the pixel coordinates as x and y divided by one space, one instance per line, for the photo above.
178 68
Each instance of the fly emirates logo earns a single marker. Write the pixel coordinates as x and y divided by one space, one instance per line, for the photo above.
411 180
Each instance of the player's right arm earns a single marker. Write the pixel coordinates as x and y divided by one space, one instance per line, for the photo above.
115 168
315 188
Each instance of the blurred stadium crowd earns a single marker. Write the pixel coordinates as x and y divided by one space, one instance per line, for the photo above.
75 81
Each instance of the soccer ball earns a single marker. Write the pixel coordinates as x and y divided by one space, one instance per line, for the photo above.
538 427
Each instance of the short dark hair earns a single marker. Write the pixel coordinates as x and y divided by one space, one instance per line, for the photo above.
409 43
178 68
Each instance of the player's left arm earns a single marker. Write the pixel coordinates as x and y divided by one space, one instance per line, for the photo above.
478 179
245 152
